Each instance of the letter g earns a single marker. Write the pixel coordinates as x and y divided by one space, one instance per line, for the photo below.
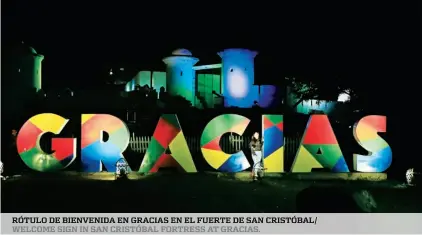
28 143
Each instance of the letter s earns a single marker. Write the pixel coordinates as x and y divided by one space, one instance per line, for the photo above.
380 154
28 143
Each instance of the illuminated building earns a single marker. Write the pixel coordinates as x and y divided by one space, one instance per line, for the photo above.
23 69
238 78
234 83
180 75
230 83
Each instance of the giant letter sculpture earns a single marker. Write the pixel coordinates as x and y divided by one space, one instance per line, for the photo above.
210 143
94 150
272 132
380 154
28 143
167 134
319 148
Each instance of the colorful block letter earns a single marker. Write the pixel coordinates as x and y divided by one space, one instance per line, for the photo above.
319 148
28 143
272 132
168 134
380 154
95 152
210 143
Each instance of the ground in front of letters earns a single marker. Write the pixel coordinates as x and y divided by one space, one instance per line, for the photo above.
202 193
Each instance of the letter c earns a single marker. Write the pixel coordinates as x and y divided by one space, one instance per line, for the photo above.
210 143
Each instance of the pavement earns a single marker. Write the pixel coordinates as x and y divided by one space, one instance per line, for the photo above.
207 192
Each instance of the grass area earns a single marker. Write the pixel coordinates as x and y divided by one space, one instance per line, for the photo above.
167 193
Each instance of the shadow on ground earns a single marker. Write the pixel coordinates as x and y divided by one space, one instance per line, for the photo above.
184 193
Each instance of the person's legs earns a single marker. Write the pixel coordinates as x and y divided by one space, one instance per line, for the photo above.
255 166
257 162
259 166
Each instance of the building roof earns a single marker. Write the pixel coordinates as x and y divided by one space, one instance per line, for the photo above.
182 52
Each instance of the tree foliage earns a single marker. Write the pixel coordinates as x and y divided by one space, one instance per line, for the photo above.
305 89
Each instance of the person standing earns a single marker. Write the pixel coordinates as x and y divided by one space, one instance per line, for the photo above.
256 146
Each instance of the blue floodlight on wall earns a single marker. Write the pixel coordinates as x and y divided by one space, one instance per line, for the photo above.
266 95
238 78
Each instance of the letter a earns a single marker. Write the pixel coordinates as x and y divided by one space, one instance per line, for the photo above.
319 148
167 134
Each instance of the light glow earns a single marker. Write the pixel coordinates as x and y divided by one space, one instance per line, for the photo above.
238 84
238 78
343 97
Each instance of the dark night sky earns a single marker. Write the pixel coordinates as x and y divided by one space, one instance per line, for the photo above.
80 40
375 43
